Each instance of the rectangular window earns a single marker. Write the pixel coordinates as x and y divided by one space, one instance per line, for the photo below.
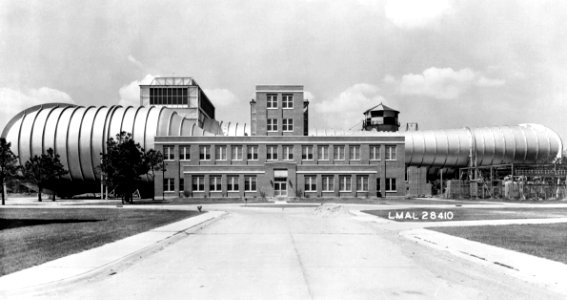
354 153
287 101
272 152
181 184
215 183
232 183
198 184
390 184
252 152
374 152
345 183
328 182
310 183
169 185
250 183
272 124
185 152
390 152
272 101
339 153
287 124
165 96
288 152
220 153
236 152
323 152
204 152
307 152
168 153
362 183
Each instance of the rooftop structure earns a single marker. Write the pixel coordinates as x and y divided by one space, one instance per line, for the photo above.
381 118
180 93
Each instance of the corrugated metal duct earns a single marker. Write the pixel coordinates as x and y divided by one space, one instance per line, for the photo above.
78 134
525 143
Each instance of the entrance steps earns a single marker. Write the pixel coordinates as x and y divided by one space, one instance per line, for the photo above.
276 200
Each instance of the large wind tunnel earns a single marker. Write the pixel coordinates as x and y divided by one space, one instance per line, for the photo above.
525 143
79 134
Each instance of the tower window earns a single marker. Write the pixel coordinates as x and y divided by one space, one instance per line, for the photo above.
272 125
287 101
272 101
287 124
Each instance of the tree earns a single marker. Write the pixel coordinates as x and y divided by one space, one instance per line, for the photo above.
123 165
155 162
8 164
44 170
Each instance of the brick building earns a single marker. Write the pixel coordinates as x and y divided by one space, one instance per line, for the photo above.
281 157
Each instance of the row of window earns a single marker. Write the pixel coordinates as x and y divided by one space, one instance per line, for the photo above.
168 96
272 101
272 124
345 183
307 152
327 182
215 183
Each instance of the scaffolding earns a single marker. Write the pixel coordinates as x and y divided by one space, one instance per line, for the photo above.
510 182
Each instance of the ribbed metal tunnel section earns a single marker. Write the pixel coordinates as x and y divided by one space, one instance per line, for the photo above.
78 134
525 143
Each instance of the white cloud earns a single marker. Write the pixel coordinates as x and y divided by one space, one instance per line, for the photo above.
14 101
415 13
221 97
442 83
130 93
345 110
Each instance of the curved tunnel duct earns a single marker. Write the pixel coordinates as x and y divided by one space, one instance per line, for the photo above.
78 134
525 143
233 129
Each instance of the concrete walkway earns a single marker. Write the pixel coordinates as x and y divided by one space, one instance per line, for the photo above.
101 260
293 252
300 253
545 272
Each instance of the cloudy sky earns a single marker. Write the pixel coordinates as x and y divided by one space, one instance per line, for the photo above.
442 63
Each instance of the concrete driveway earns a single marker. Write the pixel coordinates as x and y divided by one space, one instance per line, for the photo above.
301 253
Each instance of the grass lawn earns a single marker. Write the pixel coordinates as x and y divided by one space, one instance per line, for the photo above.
465 214
31 236
543 240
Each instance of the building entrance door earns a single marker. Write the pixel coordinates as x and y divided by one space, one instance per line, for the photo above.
280 187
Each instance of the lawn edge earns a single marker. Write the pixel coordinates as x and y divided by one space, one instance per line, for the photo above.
110 267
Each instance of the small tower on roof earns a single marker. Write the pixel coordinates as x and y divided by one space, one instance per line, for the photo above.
381 118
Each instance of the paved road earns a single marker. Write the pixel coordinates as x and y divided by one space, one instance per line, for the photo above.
267 253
